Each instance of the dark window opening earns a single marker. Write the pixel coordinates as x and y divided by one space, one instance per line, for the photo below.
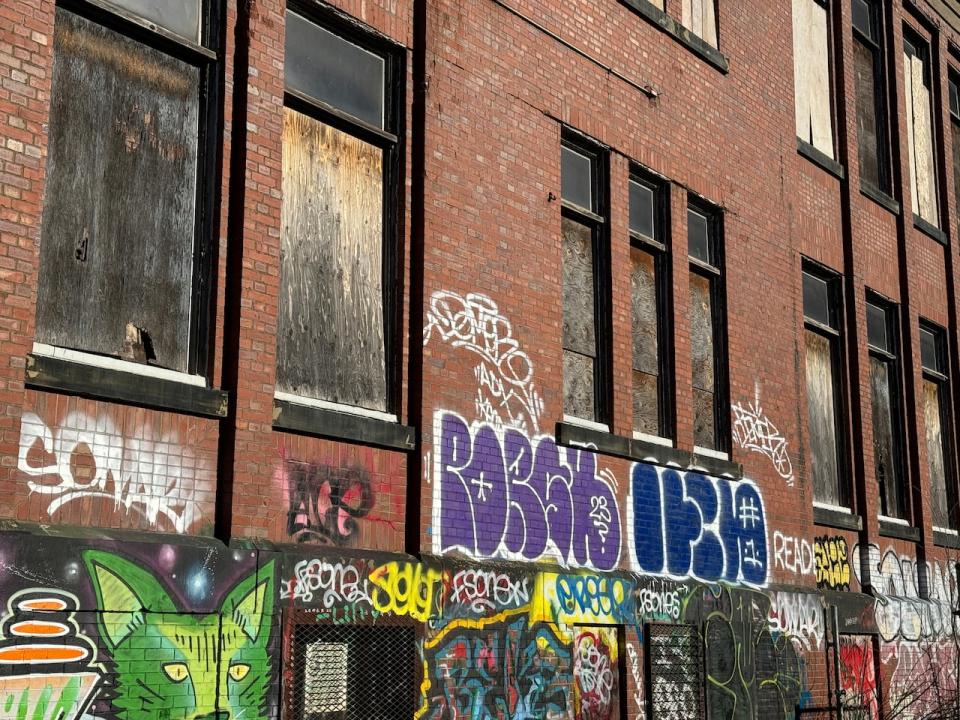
821 310
883 343
649 309
707 324
123 268
352 673
870 83
585 262
938 428
335 329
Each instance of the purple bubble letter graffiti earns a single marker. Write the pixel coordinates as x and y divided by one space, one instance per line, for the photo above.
499 494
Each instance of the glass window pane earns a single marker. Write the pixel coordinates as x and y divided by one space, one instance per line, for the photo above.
330 341
868 131
643 286
698 237
862 17
816 300
929 351
178 16
885 460
576 179
941 498
821 410
877 327
334 71
117 236
578 385
954 99
579 319
642 210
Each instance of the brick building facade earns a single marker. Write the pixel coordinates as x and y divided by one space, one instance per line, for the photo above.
478 359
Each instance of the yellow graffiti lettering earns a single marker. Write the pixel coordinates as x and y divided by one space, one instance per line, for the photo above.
404 589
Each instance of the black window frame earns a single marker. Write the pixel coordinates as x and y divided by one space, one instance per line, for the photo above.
715 272
390 140
834 333
599 225
891 357
207 56
941 377
659 248
880 87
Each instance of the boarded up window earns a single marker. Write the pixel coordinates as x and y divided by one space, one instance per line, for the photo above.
821 339
644 293
885 405
954 86
330 330
811 71
943 494
706 343
869 84
920 145
702 347
700 18
117 239
579 321
821 408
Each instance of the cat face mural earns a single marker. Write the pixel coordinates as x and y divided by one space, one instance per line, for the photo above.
172 665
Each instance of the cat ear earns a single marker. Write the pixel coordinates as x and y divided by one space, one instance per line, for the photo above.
124 591
250 603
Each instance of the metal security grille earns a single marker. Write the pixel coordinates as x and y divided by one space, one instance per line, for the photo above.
352 673
675 671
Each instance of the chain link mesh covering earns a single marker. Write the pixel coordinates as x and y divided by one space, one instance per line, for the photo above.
352 673
676 672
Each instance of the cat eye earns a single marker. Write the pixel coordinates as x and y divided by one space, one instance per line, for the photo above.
239 672
177 672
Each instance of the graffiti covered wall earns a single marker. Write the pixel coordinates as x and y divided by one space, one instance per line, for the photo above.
104 629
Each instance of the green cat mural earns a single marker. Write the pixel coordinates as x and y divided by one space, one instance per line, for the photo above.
172 665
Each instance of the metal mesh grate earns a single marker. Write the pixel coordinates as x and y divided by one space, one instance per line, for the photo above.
352 673
676 672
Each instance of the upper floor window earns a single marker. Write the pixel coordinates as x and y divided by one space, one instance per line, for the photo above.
583 225
886 407
870 83
707 325
811 74
649 295
921 149
937 426
954 85
821 315
124 253
700 18
336 327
